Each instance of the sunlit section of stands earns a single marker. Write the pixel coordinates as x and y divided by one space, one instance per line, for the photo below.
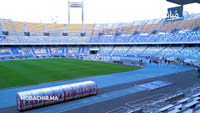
88 28
40 51
150 26
169 26
19 26
73 28
73 51
96 30
133 29
130 28
35 27
39 28
57 51
78 28
52 28
5 51
190 24
8 25
111 29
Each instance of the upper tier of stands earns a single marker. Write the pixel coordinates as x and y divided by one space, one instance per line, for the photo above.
21 27
148 31
148 26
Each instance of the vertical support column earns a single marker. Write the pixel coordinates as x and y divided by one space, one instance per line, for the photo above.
45 28
2 26
82 13
83 25
69 12
25 28
65 28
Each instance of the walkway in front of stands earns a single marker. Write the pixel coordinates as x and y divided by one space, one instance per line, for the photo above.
8 96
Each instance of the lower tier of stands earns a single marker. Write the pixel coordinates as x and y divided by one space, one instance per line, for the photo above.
148 51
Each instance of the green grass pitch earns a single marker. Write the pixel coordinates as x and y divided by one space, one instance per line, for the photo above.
27 72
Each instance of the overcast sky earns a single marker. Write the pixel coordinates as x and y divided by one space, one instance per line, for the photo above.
96 11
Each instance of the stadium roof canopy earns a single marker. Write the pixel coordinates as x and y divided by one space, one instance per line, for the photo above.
184 2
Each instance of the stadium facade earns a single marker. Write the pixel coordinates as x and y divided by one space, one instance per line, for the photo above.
153 38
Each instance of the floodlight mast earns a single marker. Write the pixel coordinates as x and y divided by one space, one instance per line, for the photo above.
68 12
79 4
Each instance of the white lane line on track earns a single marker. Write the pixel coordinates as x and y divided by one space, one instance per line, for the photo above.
116 109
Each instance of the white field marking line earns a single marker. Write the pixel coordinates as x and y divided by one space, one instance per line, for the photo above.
117 109
134 101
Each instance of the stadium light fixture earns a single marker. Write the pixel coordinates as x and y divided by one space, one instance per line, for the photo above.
75 4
